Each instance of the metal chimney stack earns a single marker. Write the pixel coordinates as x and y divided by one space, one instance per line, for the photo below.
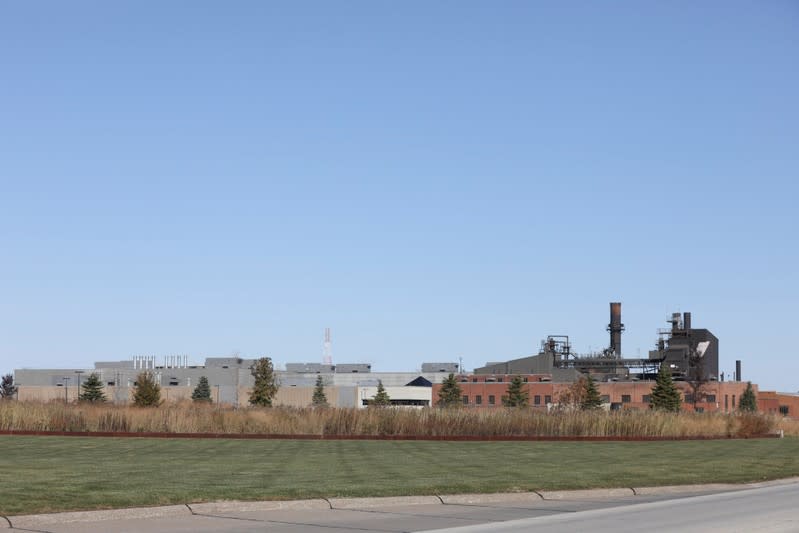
615 328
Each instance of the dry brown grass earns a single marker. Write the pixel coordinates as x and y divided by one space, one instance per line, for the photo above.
192 418
187 417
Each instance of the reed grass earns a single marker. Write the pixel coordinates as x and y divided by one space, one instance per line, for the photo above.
188 417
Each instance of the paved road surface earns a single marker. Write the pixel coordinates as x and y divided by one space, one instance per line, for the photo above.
770 508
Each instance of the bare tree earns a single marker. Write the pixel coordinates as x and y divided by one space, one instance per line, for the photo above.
696 377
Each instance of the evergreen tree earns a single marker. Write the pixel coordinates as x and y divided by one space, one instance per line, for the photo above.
517 396
92 390
748 401
146 392
7 387
202 392
449 395
665 395
591 398
319 396
265 387
380 399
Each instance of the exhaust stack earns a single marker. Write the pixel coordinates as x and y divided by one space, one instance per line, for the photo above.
615 328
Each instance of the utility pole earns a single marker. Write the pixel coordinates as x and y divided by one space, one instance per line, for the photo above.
66 388
79 372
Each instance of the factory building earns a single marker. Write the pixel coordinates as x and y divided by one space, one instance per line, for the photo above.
692 355
346 385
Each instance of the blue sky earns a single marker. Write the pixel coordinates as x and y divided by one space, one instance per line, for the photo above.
431 180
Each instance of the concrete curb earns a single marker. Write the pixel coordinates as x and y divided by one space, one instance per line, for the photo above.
687 489
360 503
241 507
587 494
39 520
482 499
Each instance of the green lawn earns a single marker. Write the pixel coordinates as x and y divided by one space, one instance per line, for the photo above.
43 474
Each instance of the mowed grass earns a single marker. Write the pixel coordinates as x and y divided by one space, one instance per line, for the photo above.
47 474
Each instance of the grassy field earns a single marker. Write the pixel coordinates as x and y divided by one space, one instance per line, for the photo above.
45 474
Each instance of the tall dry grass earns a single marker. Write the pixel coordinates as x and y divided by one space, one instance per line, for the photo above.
192 418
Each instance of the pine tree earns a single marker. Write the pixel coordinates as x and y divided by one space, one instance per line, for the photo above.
665 395
202 392
146 392
265 387
319 396
449 395
591 398
517 396
748 401
381 399
92 390
7 387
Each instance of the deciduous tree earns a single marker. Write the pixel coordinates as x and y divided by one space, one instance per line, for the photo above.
146 392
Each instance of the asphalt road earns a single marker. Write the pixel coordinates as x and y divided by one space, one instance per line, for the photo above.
768 508
771 509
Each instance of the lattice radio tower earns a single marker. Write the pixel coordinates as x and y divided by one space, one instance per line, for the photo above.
327 349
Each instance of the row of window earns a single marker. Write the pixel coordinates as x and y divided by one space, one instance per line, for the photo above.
488 380
625 398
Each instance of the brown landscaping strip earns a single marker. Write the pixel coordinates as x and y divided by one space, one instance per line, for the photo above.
461 438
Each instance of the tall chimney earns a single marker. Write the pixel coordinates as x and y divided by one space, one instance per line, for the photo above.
675 322
737 370
686 321
615 328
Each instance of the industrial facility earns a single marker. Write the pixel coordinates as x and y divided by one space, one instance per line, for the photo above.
692 355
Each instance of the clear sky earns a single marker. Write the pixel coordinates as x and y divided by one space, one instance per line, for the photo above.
431 180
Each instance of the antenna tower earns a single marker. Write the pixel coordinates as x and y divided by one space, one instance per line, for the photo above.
327 350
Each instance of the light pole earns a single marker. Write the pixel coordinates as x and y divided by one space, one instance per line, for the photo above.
79 372
217 395
66 388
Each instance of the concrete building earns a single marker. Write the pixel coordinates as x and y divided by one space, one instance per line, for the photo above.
230 380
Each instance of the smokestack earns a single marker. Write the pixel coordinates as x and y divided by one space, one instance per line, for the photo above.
738 370
675 322
686 321
615 328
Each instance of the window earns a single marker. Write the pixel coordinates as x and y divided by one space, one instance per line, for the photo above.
525 380
605 398
474 380
465 400
478 399
110 383
784 410
537 399
700 409
646 397
710 398
733 401
547 399
689 398
625 398
500 380
491 399
726 402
